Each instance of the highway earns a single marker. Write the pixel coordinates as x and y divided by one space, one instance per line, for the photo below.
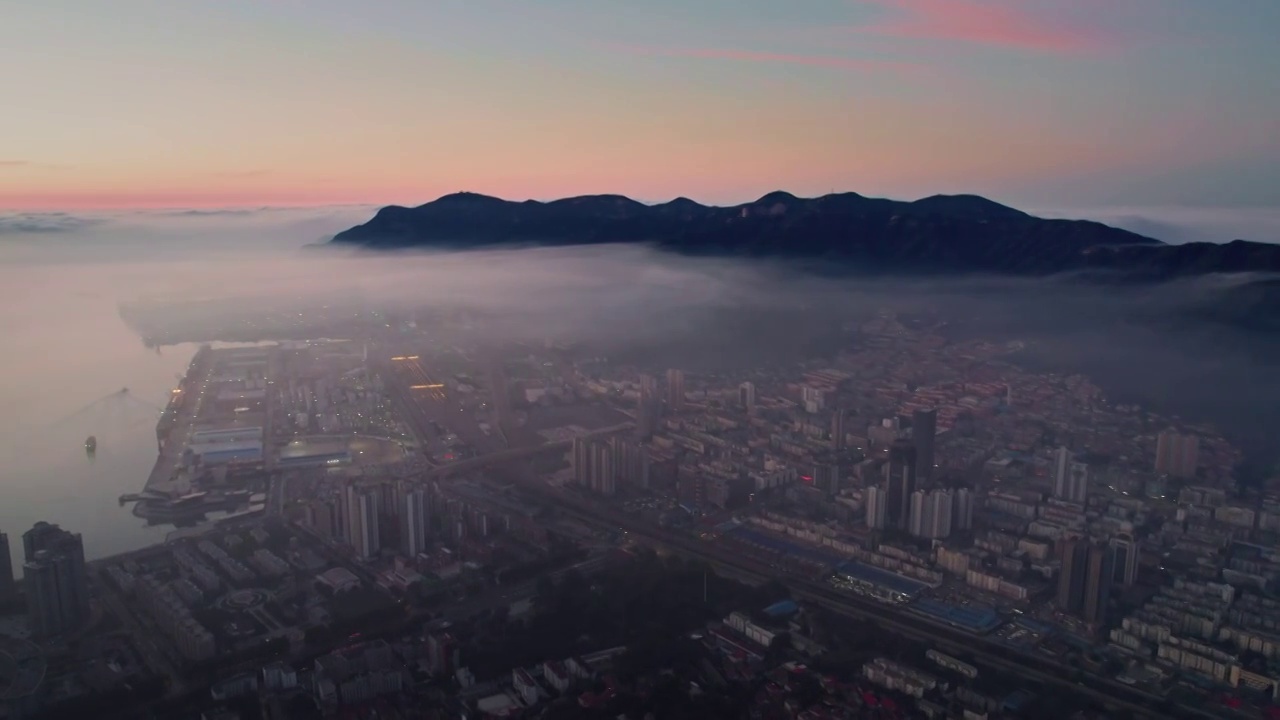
990 653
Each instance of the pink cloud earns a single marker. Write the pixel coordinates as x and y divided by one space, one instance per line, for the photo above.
999 23
822 61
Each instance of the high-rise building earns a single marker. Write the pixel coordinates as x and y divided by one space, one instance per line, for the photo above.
942 504
675 390
875 501
1070 478
1084 585
361 512
900 483
649 408
1097 587
415 520
581 462
747 396
604 470
42 536
924 428
57 585
442 654
6 569
1061 461
813 398
49 595
1077 490
827 475
595 464
839 433
1177 455
631 462
962 510
931 514
919 510
1074 554
1124 559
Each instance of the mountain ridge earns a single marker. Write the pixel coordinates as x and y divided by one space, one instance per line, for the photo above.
936 234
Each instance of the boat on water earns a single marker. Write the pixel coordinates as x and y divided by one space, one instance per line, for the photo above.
91 444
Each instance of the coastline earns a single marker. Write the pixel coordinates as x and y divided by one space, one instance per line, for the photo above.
175 423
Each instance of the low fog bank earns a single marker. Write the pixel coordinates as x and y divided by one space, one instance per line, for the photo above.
42 238
244 272
1178 225
1154 345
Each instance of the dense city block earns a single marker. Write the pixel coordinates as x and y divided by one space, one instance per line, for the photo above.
421 524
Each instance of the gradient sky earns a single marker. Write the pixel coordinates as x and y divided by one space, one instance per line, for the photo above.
150 103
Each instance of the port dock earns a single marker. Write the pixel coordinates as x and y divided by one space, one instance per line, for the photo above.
169 493
240 416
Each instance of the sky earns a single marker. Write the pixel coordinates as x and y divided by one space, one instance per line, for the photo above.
1039 103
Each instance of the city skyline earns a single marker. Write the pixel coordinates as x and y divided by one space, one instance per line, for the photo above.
846 358
251 104
413 479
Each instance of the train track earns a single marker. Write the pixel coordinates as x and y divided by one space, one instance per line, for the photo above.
1041 669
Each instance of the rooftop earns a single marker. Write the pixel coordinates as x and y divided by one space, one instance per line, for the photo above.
884 578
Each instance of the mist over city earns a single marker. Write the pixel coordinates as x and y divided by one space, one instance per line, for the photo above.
415 416
866 359
614 298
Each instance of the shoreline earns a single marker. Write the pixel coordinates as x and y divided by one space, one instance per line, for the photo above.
180 421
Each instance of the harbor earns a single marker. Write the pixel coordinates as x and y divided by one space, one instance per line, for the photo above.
175 491
241 415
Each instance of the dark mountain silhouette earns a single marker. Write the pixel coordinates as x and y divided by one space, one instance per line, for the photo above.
939 234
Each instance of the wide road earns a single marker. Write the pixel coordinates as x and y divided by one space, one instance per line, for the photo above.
1037 667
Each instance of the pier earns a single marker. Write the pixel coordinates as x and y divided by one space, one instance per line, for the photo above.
175 427
140 497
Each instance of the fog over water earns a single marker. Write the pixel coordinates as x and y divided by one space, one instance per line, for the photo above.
65 349
62 278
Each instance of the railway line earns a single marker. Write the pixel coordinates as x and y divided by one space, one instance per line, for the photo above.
420 383
428 405
1039 668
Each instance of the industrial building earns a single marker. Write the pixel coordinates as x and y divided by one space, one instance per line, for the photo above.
976 619
302 453
226 445
877 583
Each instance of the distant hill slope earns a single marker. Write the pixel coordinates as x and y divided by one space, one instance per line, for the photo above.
939 234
